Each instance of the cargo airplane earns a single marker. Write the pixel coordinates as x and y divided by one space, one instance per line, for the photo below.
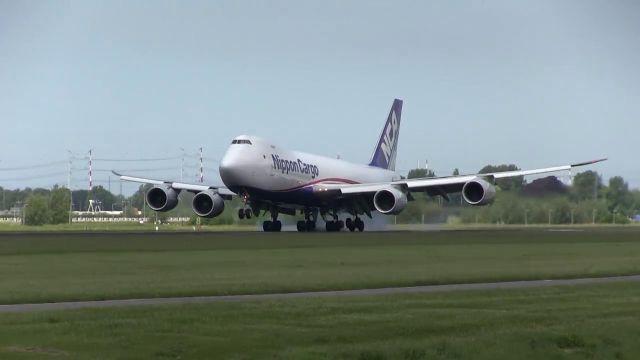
270 179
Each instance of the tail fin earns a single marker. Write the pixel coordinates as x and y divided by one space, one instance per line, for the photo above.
384 155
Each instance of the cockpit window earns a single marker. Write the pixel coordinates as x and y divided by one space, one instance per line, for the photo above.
241 141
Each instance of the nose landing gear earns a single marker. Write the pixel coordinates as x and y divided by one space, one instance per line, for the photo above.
274 225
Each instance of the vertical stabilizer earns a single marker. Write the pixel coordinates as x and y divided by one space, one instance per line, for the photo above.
384 155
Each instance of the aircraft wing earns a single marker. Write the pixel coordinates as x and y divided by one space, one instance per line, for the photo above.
223 191
440 185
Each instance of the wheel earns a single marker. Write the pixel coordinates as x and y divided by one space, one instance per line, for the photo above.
247 213
277 226
302 226
329 226
310 225
348 222
360 225
266 225
241 214
334 225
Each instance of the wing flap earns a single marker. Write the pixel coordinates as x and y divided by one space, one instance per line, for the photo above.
177 185
449 184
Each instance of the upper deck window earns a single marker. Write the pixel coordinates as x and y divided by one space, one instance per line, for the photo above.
241 141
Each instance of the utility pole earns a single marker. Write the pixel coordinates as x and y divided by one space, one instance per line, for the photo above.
90 170
550 216
201 167
69 185
526 220
182 165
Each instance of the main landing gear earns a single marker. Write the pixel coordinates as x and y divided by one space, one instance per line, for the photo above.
307 224
244 213
352 225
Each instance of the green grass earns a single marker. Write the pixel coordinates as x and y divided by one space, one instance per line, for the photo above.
121 227
77 266
581 322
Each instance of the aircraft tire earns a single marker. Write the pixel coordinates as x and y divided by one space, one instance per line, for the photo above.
329 226
247 213
240 214
266 225
310 225
277 226
302 226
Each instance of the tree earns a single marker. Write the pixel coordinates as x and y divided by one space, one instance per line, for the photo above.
544 186
618 197
36 211
420 173
59 205
513 183
586 185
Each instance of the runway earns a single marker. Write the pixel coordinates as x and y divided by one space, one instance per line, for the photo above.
23 308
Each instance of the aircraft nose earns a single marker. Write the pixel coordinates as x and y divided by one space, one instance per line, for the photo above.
234 169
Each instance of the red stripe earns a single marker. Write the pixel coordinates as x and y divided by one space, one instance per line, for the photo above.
339 180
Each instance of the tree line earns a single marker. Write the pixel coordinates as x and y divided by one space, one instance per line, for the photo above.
542 201
546 200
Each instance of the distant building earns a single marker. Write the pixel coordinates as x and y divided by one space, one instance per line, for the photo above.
636 217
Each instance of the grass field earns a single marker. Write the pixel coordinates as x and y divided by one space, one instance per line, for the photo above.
582 322
43 267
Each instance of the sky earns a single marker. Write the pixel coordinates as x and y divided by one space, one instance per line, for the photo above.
536 84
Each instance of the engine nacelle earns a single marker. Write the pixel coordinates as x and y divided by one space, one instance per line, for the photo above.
162 198
207 204
478 192
389 201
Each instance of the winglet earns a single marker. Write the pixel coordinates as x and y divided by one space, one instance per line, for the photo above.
589 162
116 173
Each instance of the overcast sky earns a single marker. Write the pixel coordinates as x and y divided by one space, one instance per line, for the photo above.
534 83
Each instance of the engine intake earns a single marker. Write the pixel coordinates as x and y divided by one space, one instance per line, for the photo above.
478 192
389 201
207 204
162 198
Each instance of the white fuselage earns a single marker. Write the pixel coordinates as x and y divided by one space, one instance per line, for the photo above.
254 166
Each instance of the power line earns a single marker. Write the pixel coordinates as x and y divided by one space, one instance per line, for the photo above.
123 170
35 177
37 166
134 160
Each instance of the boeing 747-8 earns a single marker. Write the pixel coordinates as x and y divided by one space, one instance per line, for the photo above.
277 181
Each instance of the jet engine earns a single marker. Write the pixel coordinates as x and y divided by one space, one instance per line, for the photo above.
389 200
478 192
162 198
208 204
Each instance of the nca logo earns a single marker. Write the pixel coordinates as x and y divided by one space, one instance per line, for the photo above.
390 137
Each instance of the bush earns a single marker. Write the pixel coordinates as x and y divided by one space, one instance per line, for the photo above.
37 210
